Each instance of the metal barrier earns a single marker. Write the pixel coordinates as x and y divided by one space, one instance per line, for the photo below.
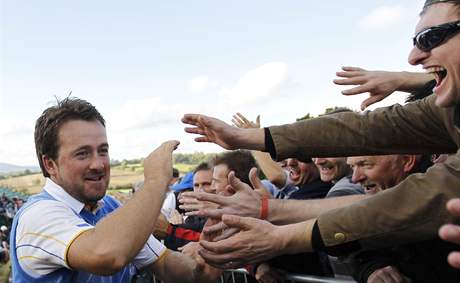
293 278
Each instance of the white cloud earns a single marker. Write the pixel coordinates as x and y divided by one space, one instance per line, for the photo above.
144 113
382 17
262 82
200 84
17 142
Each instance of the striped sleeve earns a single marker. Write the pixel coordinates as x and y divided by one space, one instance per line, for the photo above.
44 233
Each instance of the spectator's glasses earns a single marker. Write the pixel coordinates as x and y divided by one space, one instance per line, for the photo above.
432 37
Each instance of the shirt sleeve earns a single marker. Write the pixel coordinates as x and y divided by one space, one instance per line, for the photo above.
418 127
151 252
44 234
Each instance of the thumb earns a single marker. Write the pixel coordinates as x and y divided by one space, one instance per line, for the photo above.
256 182
171 144
236 183
234 221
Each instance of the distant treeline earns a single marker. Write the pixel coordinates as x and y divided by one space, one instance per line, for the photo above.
184 158
17 174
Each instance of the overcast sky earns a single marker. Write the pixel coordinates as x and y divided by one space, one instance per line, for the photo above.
144 64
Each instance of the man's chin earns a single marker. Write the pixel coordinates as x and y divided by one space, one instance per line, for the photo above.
446 99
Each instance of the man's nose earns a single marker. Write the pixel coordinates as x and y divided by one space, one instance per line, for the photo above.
357 176
97 163
319 161
417 56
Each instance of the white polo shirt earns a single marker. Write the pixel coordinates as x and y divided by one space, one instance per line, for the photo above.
47 228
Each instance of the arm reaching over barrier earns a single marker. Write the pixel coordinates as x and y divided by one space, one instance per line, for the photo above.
218 132
379 84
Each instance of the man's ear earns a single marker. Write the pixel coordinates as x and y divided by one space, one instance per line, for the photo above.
50 165
409 162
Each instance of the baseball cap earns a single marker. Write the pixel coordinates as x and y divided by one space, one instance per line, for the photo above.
184 184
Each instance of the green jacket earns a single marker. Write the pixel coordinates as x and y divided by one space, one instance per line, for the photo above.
413 210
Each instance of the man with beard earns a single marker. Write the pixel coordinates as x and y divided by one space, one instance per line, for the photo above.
72 231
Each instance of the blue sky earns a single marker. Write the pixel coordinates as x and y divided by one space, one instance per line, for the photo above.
144 64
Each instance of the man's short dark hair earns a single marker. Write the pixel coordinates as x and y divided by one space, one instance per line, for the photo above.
239 161
203 166
48 125
175 173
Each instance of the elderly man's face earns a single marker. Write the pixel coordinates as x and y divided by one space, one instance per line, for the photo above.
332 169
376 173
444 60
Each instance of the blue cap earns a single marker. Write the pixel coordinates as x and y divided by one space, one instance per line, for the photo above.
184 184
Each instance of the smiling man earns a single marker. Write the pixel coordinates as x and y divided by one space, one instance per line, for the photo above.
72 231
345 224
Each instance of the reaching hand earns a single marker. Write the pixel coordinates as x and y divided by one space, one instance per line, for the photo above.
160 230
211 130
245 201
158 164
451 232
379 84
242 122
266 274
388 274
257 240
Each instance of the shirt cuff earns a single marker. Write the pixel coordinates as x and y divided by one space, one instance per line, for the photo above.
338 250
269 144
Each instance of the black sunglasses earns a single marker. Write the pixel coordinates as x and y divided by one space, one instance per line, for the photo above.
432 37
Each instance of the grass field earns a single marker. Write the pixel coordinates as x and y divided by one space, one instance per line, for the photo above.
121 178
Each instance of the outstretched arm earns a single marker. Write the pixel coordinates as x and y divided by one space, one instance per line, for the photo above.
379 84
218 132
111 244
248 203
241 249
274 173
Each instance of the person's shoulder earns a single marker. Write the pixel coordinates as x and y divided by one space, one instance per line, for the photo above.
44 207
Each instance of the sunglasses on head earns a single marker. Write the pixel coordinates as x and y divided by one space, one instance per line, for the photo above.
432 37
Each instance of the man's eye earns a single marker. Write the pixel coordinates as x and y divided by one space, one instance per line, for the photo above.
104 151
82 154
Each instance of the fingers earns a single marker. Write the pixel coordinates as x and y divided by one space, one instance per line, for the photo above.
255 181
242 223
170 145
191 119
202 196
454 207
244 119
357 90
226 233
194 130
237 121
236 183
454 259
214 228
240 121
348 75
222 261
351 69
371 100
451 233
